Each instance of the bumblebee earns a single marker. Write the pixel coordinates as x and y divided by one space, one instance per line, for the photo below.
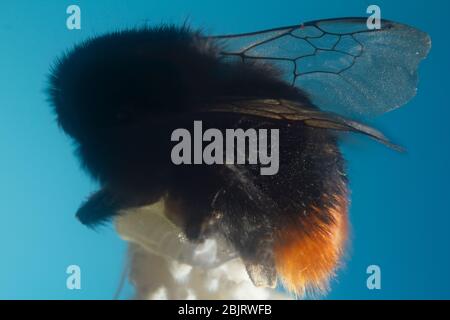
121 95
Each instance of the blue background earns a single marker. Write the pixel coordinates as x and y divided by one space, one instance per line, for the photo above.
399 209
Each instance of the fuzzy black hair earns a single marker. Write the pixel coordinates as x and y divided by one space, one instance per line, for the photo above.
121 95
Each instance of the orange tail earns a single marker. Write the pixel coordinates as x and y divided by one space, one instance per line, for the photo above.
307 254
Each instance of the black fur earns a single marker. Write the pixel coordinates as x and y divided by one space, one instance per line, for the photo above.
121 95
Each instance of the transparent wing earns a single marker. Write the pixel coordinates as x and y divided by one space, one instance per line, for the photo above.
343 66
286 110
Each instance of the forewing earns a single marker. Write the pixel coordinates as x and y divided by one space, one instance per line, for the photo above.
341 64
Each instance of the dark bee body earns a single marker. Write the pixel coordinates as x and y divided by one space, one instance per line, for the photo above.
120 97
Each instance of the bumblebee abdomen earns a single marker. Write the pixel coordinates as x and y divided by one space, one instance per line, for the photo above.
291 226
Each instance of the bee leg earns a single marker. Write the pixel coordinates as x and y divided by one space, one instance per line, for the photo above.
191 214
99 208
261 267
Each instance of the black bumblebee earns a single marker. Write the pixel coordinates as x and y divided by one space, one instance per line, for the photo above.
121 95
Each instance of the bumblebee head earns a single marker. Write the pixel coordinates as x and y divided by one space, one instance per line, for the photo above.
111 81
